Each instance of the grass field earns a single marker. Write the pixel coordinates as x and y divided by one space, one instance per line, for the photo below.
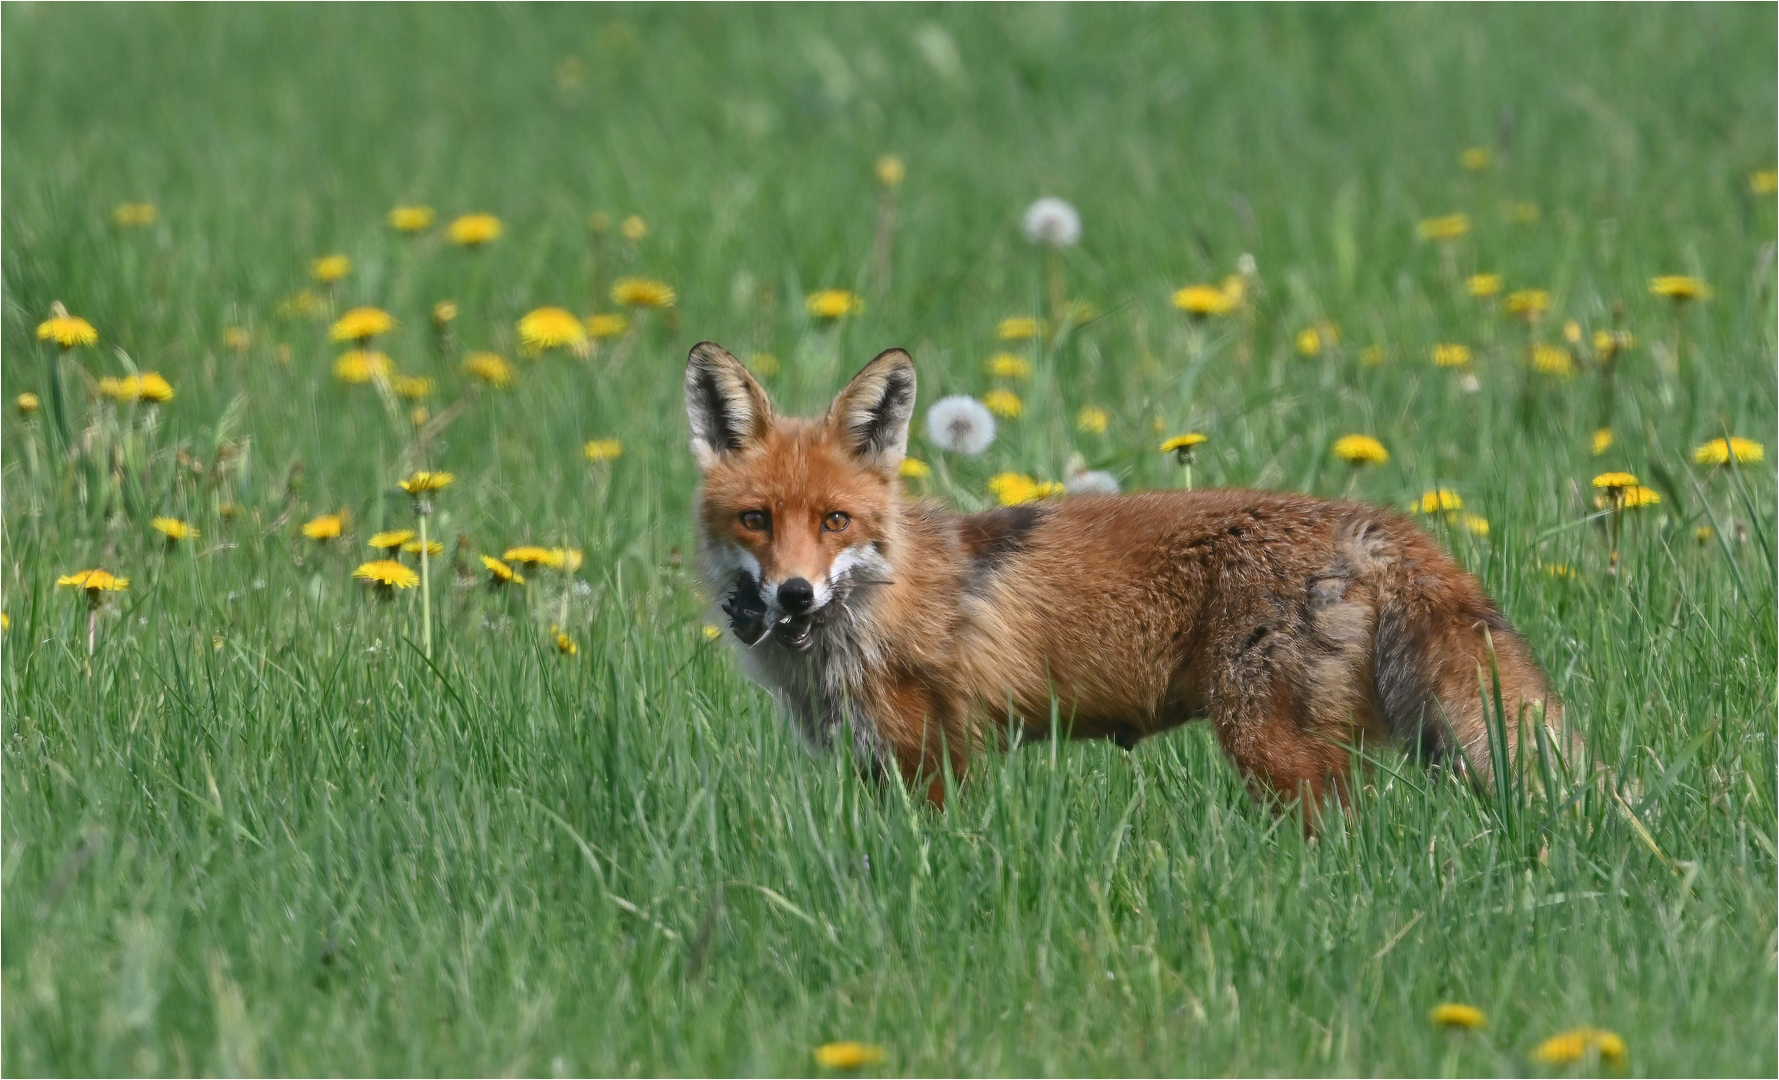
250 828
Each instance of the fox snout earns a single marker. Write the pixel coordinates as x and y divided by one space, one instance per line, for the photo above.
796 596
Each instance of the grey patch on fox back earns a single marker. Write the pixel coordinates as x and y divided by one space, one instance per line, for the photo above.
993 537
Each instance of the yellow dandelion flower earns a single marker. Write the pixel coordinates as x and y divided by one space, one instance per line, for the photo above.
601 327
1679 288
444 313
642 292
237 339
1181 443
299 305
1552 360
419 416
528 555
1011 489
1451 1014
94 582
550 328
712 632
1613 481
410 219
633 228
1475 158
1572 332
67 330
564 644
567 560
1360 450
474 230
134 215
325 527
425 482
1003 403
330 268
148 388
1634 497
1006 365
412 387
362 366
603 449
1019 328
848 1055
1200 301
1528 304
1559 570
5 621
433 547
499 573
491 368
833 303
1092 420
890 171
174 529
1450 355
27 403
361 324
1475 524
153 388
1483 286
914 469
1720 451
1609 343
764 364
1602 441
1572 1046
387 574
392 540
1444 229
1311 340
1763 182
1439 500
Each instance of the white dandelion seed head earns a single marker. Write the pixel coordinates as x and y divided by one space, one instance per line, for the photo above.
1469 383
1091 482
1052 221
960 424
1246 266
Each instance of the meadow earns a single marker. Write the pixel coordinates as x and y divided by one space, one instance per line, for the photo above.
262 816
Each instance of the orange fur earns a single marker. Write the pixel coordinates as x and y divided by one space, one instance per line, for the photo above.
1301 627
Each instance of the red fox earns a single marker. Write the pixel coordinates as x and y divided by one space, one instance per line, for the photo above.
1301 627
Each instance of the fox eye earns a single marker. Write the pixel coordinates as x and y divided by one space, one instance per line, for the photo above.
836 521
754 520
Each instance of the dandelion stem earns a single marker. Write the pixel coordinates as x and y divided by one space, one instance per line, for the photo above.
884 247
1053 264
425 592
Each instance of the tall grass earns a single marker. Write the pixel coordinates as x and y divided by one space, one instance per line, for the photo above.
258 831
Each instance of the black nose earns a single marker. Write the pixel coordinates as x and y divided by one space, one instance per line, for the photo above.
796 595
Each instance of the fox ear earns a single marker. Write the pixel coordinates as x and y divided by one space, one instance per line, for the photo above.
871 415
728 409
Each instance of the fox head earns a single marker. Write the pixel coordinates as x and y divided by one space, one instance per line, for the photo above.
795 514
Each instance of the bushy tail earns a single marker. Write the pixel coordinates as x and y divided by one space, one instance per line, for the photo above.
1445 664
